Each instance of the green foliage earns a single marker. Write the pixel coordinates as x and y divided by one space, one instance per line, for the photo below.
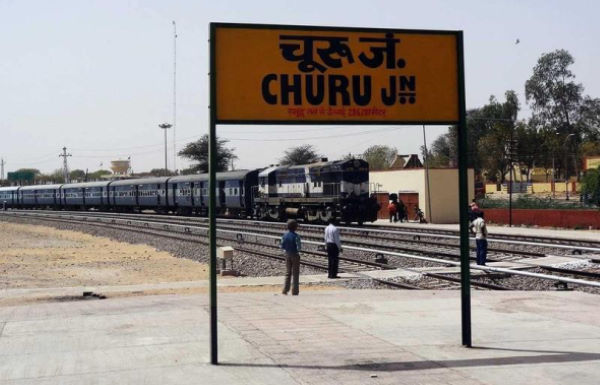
303 154
553 94
379 157
34 171
591 186
530 202
55 176
161 172
189 171
564 126
442 152
77 175
198 152
97 175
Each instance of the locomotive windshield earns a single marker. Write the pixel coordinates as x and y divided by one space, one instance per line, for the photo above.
355 171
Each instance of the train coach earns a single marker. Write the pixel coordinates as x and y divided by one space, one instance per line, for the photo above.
188 194
8 197
88 195
139 194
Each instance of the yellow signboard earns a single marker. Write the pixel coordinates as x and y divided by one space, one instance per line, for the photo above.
296 75
591 162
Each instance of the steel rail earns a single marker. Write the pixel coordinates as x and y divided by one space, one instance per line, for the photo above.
385 252
377 230
68 218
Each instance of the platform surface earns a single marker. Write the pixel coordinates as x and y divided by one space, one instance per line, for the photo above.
319 337
583 235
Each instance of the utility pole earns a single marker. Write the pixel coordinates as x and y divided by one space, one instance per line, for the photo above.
2 167
165 127
64 155
566 148
511 156
510 186
174 95
426 159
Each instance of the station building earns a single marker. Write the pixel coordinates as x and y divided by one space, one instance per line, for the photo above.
439 202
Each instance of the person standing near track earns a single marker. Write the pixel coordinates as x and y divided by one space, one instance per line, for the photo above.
392 210
334 248
481 233
290 242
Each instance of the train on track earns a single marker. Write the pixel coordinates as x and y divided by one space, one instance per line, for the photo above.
313 192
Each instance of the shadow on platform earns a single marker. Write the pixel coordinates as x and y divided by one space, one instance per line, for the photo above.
545 356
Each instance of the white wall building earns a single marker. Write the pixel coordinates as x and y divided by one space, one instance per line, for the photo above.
440 204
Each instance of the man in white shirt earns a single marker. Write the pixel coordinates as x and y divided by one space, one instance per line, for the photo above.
334 247
481 233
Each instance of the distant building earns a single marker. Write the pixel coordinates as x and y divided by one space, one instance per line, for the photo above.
121 168
400 162
439 202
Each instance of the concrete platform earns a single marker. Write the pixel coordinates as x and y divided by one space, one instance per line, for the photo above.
331 337
584 235
45 293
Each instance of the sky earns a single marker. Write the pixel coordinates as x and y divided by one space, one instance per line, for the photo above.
97 76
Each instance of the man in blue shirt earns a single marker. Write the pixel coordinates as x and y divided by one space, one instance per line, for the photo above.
290 242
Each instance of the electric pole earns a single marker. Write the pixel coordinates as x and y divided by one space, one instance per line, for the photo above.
64 155
2 167
174 96
165 127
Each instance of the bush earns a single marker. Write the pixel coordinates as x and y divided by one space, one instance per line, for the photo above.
590 188
530 202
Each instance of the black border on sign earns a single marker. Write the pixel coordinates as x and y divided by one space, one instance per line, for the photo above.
459 75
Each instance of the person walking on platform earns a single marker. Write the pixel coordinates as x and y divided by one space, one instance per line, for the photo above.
481 233
334 248
392 209
290 243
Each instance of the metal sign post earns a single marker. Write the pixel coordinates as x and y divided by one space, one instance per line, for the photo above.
463 199
336 75
212 202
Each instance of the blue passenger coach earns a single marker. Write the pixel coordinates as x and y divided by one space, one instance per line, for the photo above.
8 197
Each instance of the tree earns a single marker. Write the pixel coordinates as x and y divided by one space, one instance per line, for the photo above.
527 148
588 119
56 176
34 171
555 97
556 101
161 172
77 175
198 151
440 154
490 131
591 186
98 174
379 157
303 154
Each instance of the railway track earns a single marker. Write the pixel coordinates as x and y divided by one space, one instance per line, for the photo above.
168 229
417 235
241 236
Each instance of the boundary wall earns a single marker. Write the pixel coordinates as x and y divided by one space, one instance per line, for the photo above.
573 219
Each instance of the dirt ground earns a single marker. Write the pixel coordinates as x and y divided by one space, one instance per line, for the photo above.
38 256
45 257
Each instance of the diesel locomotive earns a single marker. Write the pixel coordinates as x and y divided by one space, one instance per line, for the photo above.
313 193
